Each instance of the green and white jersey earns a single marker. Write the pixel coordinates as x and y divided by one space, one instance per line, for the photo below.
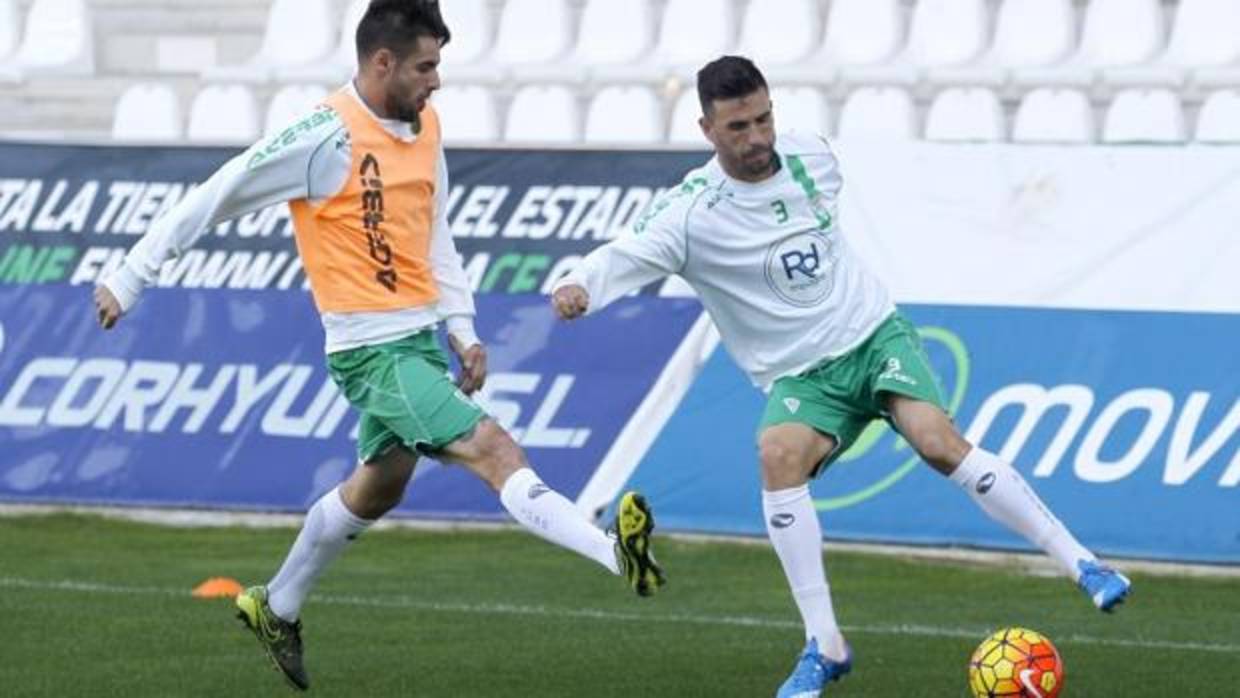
767 260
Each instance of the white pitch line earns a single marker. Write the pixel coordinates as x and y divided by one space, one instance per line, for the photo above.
401 602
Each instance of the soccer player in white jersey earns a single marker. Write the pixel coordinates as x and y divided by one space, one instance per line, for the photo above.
755 233
367 185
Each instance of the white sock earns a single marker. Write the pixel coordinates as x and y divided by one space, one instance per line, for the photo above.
1004 495
550 516
792 524
328 528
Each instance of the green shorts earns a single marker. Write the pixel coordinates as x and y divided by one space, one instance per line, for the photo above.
840 396
405 396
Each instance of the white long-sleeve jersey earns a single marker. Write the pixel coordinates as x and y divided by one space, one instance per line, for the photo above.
767 260
310 160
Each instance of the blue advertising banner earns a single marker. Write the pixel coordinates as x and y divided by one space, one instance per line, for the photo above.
519 218
214 393
1126 423
205 398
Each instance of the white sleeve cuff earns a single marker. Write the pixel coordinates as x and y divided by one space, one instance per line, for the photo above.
125 285
573 278
462 327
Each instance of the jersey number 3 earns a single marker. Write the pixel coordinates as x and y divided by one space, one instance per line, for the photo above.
781 211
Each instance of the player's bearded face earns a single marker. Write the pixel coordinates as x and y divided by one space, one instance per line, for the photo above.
743 133
410 85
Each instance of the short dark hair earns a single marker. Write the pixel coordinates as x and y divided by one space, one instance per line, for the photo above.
728 77
397 24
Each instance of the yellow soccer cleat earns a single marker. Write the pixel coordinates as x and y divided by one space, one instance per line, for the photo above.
632 527
280 638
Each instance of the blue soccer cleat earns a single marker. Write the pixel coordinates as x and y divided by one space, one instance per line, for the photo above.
813 672
1103 585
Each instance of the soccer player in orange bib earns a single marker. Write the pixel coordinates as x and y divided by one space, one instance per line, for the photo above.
365 177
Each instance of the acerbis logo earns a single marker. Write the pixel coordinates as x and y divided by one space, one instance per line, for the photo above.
800 268
987 481
537 490
783 520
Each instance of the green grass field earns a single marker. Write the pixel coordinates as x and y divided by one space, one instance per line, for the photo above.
95 607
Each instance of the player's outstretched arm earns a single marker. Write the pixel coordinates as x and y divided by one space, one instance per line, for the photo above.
272 171
570 301
653 250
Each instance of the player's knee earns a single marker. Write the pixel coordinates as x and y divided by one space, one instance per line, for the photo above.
500 454
385 500
782 465
374 497
939 445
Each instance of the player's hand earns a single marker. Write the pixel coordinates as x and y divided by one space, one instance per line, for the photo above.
107 308
473 365
570 301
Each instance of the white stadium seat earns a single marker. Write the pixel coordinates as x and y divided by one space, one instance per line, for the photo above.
9 37
470 56
947 32
942 34
801 109
467 113
1122 32
614 33
613 45
298 33
1219 119
1029 34
472 25
862 32
776 32
224 114
885 113
1144 116
1205 35
148 112
1116 34
533 31
290 104
58 40
624 114
965 114
341 63
684 128
694 32
1049 115
860 35
543 114
1033 33
1216 60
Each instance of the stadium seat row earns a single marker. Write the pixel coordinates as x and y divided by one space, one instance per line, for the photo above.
857 41
635 114
979 42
